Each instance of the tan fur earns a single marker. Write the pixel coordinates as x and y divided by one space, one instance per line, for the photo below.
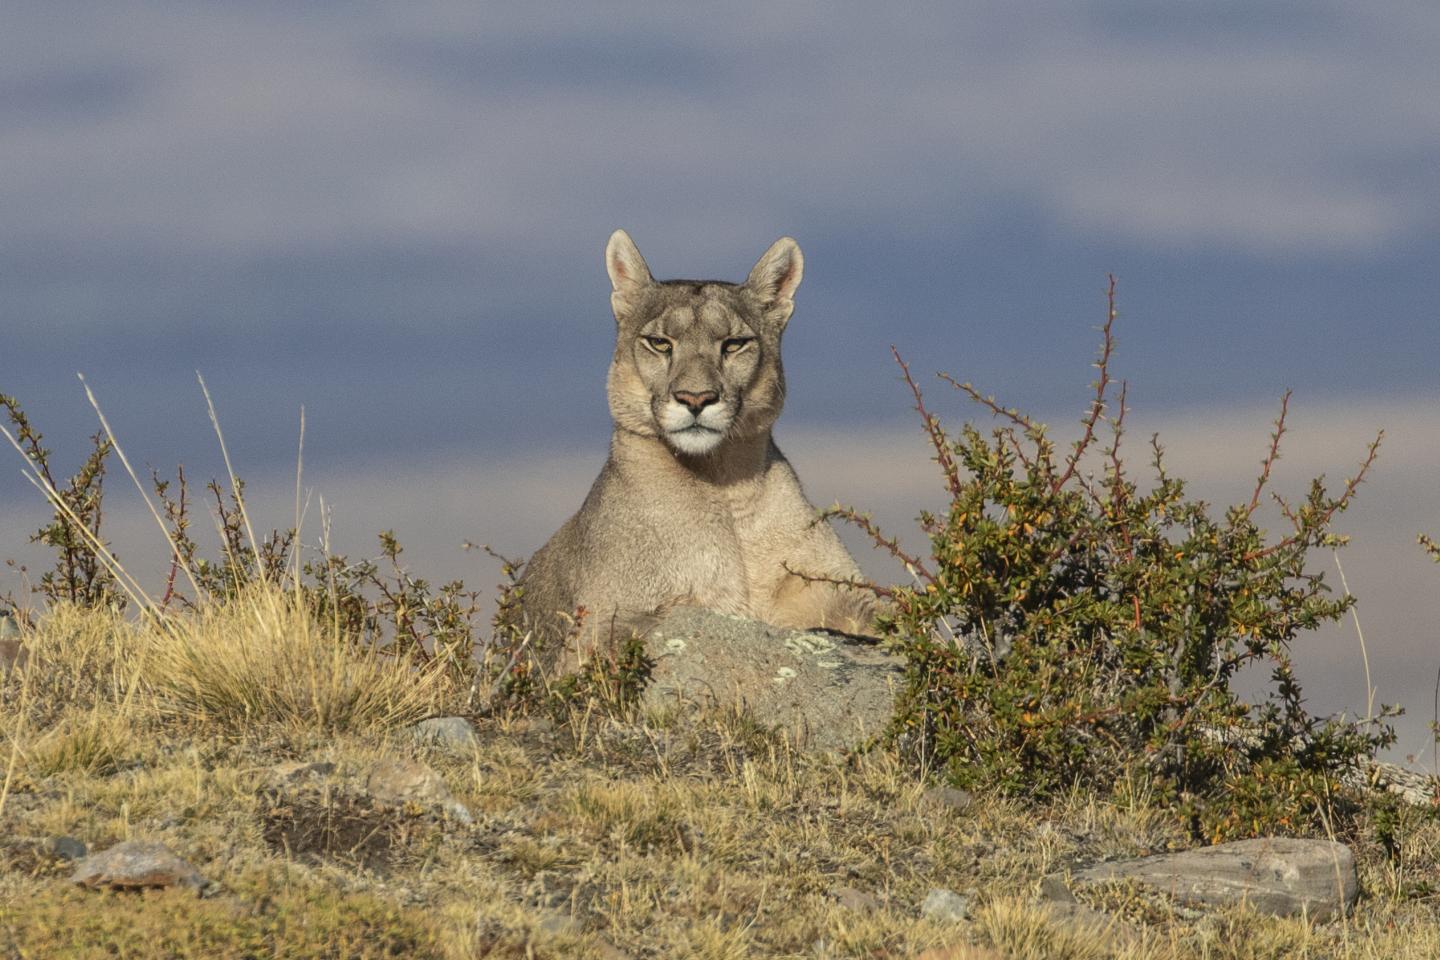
696 505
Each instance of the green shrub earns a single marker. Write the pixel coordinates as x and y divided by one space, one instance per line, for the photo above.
1071 627
82 573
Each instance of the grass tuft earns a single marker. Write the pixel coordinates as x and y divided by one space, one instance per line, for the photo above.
265 658
94 744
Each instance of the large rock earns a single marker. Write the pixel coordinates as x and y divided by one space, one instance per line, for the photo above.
1275 875
135 865
831 691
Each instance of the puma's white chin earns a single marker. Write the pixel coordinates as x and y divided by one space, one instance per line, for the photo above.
695 439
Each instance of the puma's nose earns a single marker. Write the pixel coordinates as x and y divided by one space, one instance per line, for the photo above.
696 401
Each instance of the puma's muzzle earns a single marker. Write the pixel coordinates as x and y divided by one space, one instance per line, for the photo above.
695 423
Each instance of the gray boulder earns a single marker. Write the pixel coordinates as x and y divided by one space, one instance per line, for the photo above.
1274 875
830 691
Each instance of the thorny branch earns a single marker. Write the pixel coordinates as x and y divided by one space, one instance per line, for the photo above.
932 427
851 582
889 544
1272 456
1102 383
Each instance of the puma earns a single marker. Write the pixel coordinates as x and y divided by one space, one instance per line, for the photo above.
696 505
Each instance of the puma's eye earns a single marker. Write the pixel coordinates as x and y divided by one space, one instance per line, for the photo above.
659 345
736 344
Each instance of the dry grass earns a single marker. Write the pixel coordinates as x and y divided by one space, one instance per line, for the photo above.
264 658
596 834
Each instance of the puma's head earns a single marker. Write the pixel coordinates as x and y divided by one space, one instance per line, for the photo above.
698 362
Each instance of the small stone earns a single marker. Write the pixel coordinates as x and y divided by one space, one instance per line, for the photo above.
399 782
961 951
946 906
856 901
1054 889
605 950
951 798
136 865
559 924
454 732
66 848
295 772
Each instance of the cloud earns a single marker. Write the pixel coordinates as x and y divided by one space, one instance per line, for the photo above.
271 129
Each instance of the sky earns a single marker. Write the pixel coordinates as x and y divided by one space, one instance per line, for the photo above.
394 216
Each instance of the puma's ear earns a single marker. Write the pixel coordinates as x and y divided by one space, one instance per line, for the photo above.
775 277
628 272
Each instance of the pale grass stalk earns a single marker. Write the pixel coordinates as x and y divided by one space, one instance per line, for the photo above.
325 526
1364 654
1345 916
21 723
125 462
299 515
230 471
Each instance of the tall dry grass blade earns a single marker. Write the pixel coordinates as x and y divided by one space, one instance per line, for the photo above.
37 479
325 520
1364 654
299 517
125 462
22 715
230 472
